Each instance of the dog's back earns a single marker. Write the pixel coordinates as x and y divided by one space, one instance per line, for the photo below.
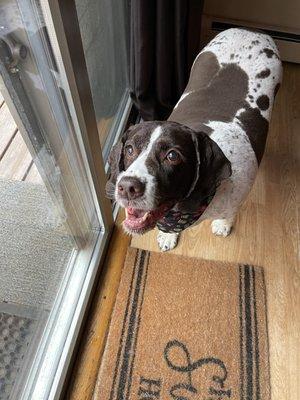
234 78
229 96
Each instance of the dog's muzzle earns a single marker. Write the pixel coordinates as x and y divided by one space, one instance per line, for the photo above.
130 188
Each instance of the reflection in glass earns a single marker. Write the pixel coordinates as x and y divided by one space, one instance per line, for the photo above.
104 31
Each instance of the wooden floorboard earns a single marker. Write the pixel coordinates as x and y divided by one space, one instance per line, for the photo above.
84 375
15 160
1 100
8 129
33 175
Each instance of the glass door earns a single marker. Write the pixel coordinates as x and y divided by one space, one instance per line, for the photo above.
54 218
104 28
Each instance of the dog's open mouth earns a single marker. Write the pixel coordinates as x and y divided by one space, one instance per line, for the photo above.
140 221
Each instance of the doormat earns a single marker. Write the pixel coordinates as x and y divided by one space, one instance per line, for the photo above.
15 335
186 329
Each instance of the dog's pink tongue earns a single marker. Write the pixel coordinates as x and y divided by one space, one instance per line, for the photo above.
135 213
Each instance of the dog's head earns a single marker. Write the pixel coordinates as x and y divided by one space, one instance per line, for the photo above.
159 164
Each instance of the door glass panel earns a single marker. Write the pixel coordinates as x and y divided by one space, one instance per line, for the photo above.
49 217
104 27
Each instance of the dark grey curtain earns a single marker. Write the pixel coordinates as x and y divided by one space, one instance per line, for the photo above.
165 36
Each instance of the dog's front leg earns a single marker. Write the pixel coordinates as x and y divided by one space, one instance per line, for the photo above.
222 227
167 241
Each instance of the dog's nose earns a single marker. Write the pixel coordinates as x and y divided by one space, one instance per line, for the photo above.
131 188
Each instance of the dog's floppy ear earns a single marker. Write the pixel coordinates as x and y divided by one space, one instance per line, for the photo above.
115 161
213 167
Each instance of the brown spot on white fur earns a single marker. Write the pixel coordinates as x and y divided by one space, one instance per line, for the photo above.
269 53
205 68
263 74
256 128
263 102
216 99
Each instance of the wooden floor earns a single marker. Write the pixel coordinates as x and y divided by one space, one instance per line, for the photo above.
267 234
16 162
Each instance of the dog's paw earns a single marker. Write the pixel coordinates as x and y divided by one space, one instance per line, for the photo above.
167 241
221 227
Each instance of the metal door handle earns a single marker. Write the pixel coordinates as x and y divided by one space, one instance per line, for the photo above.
15 52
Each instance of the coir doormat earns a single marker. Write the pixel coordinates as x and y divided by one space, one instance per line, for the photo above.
186 329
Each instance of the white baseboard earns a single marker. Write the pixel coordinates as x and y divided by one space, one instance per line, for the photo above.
289 49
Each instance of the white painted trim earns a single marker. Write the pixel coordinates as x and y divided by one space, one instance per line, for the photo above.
49 368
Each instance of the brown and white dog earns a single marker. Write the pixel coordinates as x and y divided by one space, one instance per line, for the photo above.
202 162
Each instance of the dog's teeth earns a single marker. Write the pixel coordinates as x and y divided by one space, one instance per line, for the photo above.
126 213
145 216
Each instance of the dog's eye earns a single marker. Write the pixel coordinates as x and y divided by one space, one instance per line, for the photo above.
129 150
173 157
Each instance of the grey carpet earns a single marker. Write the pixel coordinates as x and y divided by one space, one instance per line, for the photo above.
34 245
